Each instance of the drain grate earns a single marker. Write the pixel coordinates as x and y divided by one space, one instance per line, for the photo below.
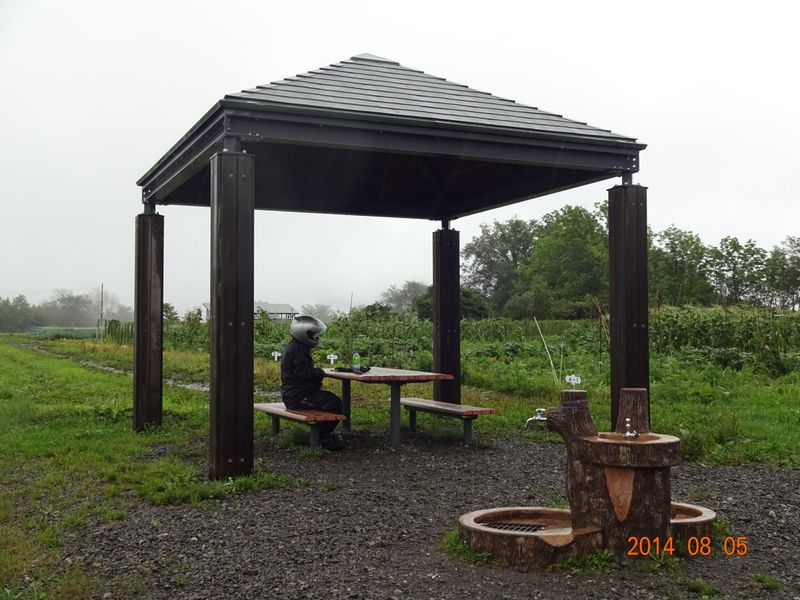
517 527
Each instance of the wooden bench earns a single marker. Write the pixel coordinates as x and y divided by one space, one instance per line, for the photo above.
464 412
278 411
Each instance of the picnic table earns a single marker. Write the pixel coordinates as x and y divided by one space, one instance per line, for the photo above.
394 378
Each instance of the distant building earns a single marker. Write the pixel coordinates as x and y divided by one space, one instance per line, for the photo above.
276 312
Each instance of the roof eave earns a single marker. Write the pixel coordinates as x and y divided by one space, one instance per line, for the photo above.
212 114
206 136
274 107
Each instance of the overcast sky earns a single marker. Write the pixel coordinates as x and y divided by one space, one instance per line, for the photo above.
93 93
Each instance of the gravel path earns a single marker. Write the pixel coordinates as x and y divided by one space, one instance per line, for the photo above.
370 525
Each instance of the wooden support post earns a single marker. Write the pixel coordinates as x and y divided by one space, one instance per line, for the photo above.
627 257
446 315
231 393
148 321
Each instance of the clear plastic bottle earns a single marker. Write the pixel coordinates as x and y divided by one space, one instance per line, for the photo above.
356 362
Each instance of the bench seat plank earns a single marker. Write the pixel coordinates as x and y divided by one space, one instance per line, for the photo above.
303 416
310 417
465 412
448 408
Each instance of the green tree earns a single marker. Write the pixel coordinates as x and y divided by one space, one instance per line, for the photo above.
737 270
192 334
782 275
376 310
536 301
492 259
17 314
400 298
570 257
473 305
678 269
169 313
789 284
69 310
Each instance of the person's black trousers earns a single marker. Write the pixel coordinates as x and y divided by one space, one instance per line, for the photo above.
321 400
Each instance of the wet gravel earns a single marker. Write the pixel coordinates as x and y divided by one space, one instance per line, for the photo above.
371 521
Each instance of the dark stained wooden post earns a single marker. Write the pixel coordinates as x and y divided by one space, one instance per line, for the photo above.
148 320
627 258
231 393
446 313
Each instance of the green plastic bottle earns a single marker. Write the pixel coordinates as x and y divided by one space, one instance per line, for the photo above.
356 362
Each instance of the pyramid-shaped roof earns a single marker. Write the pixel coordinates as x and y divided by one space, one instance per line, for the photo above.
375 87
368 136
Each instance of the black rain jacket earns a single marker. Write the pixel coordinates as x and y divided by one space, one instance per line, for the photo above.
299 377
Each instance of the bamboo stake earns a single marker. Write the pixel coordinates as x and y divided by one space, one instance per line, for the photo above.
546 349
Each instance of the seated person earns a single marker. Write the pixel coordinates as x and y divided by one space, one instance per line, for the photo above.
301 382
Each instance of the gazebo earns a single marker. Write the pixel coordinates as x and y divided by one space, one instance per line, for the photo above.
368 136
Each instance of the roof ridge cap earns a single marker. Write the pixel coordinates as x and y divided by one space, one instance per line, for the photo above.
373 58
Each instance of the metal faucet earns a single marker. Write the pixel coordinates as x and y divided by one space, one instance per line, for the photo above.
540 417
629 433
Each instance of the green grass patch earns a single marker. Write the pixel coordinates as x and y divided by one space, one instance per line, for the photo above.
455 546
722 415
767 582
69 458
602 561
664 561
704 588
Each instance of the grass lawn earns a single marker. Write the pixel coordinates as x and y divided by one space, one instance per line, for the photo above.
68 457
721 415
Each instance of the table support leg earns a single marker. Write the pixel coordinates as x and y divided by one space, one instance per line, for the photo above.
346 404
468 431
395 414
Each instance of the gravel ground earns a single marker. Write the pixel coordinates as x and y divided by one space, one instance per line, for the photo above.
370 525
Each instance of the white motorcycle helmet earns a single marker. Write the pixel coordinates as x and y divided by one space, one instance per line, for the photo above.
306 329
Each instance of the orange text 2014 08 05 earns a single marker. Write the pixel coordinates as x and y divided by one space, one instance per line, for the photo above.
694 546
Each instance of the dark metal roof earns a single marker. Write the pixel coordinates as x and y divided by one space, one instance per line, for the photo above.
370 136
371 86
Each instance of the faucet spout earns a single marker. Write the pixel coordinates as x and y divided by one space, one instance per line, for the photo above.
539 417
629 433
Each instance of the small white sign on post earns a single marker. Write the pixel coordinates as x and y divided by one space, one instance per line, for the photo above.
332 358
275 355
573 380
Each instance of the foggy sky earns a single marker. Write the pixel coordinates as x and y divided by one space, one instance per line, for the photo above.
93 93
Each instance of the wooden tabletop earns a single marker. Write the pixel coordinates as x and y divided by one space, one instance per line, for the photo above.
378 374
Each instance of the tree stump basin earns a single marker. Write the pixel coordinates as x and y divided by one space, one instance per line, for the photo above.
524 535
537 536
649 450
689 520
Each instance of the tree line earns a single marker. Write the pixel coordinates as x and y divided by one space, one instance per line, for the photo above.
63 309
556 267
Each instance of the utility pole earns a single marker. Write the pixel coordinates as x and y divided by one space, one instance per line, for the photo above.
100 327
